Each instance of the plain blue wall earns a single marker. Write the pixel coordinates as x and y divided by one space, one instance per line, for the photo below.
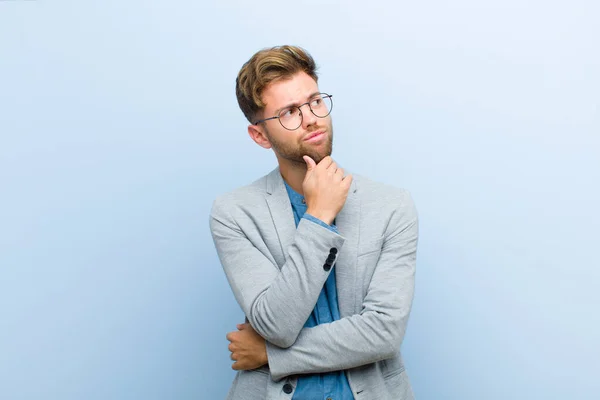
119 126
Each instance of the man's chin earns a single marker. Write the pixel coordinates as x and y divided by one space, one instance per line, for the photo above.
298 158
318 157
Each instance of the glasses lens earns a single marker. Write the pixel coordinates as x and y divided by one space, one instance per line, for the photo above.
321 105
290 118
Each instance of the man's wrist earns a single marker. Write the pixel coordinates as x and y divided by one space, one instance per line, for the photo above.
328 219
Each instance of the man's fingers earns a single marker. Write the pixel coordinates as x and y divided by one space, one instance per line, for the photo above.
232 336
310 163
234 356
347 181
325 163
240 366
332 167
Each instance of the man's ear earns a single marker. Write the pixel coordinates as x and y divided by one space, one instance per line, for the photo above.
258 135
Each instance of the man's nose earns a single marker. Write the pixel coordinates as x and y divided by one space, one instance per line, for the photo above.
308 118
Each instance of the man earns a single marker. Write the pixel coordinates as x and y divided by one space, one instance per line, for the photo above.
321 263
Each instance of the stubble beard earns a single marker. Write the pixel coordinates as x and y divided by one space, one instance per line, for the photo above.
294 152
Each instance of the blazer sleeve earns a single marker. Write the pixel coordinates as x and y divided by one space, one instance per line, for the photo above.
277 302
374 334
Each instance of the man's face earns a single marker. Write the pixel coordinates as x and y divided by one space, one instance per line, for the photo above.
292 145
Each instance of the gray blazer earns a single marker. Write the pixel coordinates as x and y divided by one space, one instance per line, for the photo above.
276 272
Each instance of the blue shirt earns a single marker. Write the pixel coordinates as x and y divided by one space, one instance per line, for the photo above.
331 385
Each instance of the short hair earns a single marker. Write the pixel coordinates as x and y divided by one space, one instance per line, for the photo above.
267 66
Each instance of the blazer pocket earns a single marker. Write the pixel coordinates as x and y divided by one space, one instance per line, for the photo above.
390 374
249 385
398 385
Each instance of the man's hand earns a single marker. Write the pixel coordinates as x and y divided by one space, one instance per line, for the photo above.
325 188
248 349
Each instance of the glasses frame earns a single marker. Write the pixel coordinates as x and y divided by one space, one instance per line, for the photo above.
299 107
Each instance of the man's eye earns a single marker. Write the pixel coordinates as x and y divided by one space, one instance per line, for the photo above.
290 112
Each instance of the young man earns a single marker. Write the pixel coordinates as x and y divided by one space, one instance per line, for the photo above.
321 263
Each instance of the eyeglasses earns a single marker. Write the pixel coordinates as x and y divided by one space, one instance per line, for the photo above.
291 117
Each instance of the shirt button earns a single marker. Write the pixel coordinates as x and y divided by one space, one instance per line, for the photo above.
287 388
303 201
329 398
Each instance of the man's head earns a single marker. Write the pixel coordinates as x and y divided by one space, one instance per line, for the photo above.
268 87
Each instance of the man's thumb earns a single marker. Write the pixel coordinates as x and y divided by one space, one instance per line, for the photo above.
310 163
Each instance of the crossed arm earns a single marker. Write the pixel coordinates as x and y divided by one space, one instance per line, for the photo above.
269 296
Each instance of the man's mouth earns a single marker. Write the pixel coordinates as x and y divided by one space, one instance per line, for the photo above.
315 136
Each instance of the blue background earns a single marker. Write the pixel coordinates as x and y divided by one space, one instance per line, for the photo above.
119 126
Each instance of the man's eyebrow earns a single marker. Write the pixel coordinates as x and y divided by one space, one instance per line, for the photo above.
294 104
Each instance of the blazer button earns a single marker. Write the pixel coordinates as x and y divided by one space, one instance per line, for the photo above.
327 267
333 250
287 388
330 258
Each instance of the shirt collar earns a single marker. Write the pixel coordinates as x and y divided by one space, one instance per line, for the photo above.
295 197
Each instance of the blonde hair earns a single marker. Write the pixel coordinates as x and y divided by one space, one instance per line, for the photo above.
267 66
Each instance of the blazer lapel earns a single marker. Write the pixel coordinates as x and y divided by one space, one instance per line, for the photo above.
347 222
281 213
